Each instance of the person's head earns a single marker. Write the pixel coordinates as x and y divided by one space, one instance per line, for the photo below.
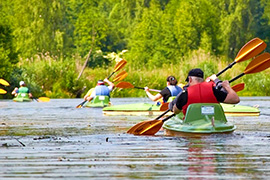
22 83
171 80
100 82
195 75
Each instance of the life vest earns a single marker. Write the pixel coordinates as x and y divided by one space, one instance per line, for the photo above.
23 90
102 90
200 93
175 90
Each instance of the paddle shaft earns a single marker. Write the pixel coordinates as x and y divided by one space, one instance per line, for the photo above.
229 66
237 77
168 110
149 89
167 118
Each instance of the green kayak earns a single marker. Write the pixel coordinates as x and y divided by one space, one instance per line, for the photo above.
201 118
152 109
22 97
99 101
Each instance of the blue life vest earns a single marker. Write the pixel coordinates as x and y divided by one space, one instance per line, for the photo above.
175 90
102 90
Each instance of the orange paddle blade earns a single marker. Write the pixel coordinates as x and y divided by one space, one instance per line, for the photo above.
238 87
164 106
120 65
259 64
250 49
2 91
135 127
122 75
124 85
4 82
149 127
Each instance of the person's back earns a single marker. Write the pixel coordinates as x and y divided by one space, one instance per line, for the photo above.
171 90
23 91
199 91
100 90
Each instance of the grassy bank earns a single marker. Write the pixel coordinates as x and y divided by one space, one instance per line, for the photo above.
48 76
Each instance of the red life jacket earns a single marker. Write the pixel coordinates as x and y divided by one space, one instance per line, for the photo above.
200 93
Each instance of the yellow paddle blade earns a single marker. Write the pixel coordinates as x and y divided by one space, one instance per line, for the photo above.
122 75
2 91
124 85
258 64
4 82
250 49
120 65
43 99
238 87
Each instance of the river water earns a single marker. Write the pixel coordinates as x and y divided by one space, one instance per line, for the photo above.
53 140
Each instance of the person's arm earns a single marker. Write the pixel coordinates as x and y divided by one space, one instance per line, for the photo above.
109 83
151 96
232 97
176 105
14 91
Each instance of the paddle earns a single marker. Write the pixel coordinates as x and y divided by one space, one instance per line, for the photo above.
82 103
126 85
2 91
4 82
150 127
41 99
258 64
118 66
119 77
135 128
238 87
249 50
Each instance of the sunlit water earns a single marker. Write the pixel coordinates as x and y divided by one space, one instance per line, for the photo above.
56 140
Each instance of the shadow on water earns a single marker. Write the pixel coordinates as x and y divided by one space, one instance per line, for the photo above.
57 140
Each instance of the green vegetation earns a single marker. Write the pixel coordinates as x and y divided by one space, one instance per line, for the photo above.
45 43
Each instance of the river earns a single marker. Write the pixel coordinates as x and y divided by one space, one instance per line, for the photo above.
54 140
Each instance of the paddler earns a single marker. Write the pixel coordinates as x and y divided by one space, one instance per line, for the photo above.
100 90
22 91
200 91
171 90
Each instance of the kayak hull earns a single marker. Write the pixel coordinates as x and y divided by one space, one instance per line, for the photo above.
147 109
99 102
22 97
201 119
22 100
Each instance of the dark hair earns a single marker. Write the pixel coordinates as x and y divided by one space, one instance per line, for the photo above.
172 80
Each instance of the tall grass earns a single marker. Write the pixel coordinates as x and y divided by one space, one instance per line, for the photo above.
49 76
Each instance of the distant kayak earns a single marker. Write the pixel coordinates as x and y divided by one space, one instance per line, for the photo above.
99 101
152 109
201 118
22 97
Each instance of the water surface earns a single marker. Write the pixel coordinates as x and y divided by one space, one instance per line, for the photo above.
56 140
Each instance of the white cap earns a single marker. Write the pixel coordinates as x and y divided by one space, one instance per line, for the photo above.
22 83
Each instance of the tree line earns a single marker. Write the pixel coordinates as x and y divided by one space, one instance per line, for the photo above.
47 41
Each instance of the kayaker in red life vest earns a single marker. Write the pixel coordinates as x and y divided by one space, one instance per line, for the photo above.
100 90
22 90
200 91
171 90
